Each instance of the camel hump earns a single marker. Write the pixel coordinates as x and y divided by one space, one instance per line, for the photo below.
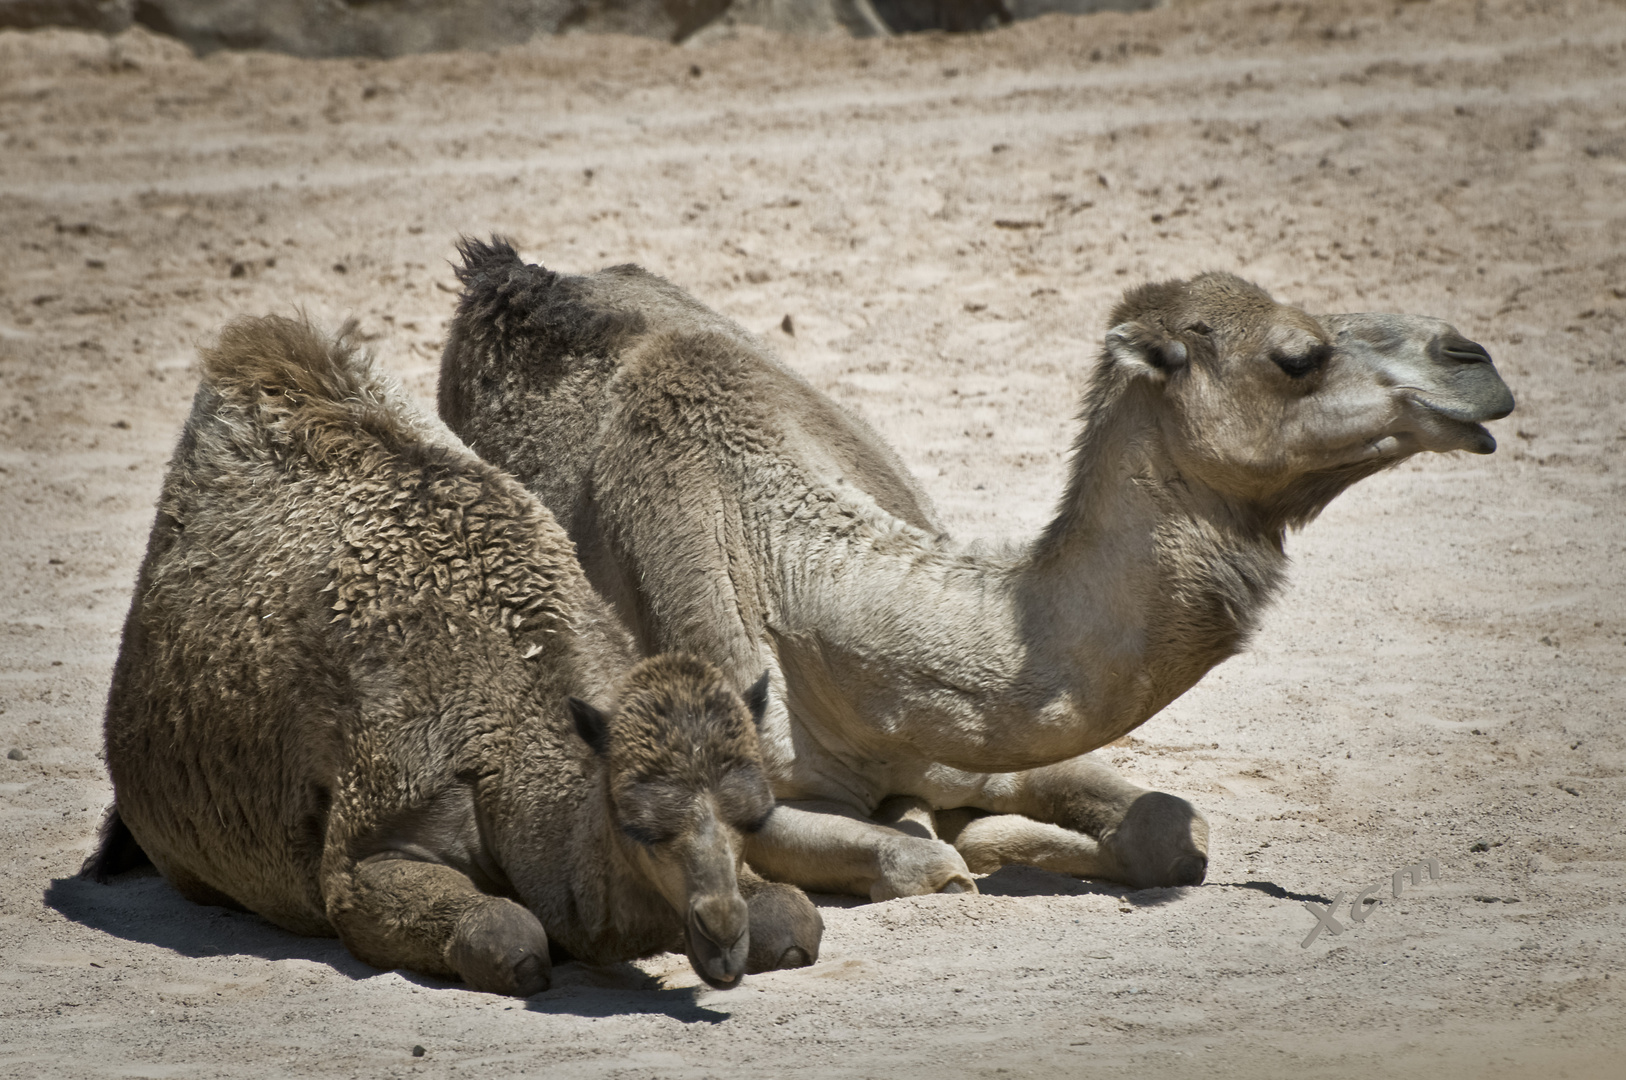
300 390
278 356
508 303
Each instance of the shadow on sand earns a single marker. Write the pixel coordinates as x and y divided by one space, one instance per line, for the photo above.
141 906
620 990
1270 888
1014 880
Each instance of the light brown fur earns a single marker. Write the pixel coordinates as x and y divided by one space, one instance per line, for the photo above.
346 690
725 507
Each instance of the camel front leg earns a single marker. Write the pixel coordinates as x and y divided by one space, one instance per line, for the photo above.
829 847
990 841
395 912
1108 827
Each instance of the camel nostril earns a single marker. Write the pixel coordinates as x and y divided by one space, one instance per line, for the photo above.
1188 870
722 940
1464 351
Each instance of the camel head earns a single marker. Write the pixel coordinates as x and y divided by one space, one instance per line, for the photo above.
686 784
1281 410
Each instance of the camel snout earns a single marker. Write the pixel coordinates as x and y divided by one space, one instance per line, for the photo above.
719 939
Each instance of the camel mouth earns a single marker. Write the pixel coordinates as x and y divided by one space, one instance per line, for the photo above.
1461 427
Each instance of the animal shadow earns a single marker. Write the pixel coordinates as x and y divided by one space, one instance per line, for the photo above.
1270 888
1014 879
620 990
1017 880
141 906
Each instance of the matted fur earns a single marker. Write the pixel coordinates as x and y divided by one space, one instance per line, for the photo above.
342 696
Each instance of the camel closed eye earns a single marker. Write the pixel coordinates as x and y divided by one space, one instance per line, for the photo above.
1298 365
648 836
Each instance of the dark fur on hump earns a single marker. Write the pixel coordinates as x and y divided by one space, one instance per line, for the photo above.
512 313
513 303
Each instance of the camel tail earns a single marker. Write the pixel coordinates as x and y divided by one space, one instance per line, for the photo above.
116 850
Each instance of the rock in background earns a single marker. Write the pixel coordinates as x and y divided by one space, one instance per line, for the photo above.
107 16
385 28
802 18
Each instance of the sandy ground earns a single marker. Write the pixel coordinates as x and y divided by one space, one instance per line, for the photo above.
947 222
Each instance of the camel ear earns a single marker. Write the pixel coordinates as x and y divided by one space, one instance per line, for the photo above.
756 699
1145 351
591 725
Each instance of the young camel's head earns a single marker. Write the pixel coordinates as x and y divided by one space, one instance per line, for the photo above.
686 784
1281 410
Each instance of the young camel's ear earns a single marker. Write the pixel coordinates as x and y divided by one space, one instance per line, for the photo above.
756 699
591 725
1145 351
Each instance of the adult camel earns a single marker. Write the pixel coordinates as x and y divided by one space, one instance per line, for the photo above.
727 508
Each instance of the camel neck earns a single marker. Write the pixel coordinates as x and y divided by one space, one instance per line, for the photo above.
1142 583
1156 577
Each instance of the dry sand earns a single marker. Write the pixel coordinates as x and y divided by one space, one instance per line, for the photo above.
947 221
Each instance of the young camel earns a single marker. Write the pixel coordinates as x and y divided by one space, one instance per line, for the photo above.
725 506
350 698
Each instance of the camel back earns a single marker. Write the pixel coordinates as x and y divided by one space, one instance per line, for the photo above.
532 356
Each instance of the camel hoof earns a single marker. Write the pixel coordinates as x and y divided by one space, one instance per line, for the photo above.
1188 870
501 948
911 866
786 930
1161 841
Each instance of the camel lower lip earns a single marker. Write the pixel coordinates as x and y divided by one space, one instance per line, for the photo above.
1478 440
